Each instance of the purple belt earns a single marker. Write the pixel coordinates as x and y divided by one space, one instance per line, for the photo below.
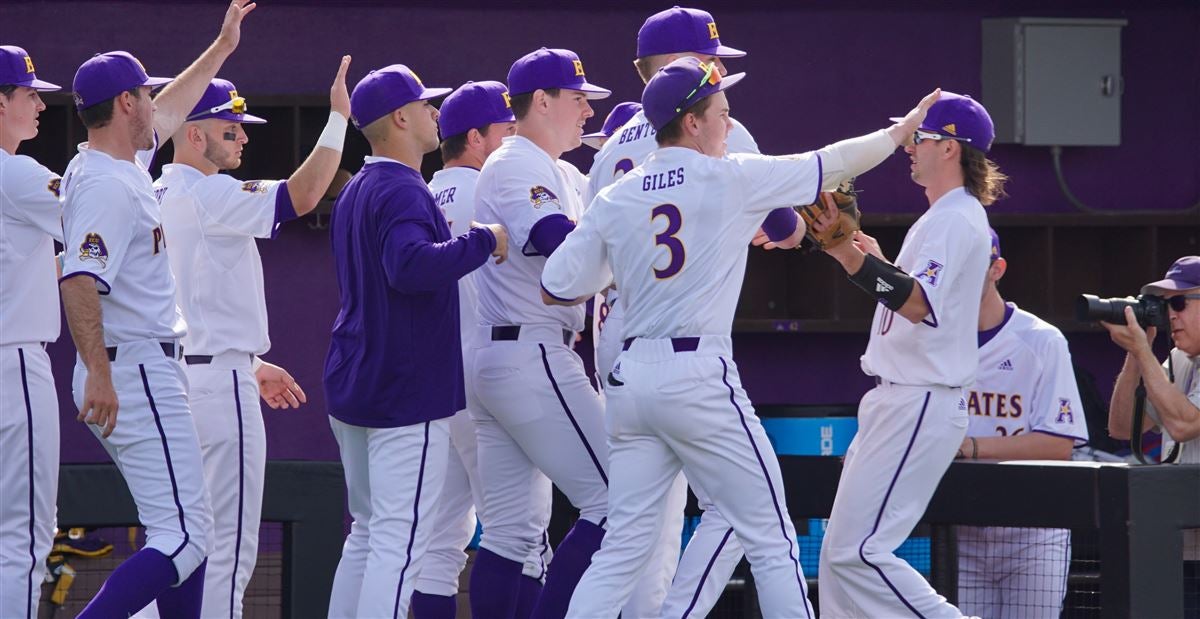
678 344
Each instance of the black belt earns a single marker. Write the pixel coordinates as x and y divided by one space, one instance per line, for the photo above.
206 359
510 333
678 344
169 349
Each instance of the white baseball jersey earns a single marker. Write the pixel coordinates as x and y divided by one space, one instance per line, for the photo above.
646 221
518 186
113 230
946 251
212 221
453 190
634 141
1025 382
30 222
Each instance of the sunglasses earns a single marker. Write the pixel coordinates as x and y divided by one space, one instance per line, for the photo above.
237 105
711 76
920 136
1178 303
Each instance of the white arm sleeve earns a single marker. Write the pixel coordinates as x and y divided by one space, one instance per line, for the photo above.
852 157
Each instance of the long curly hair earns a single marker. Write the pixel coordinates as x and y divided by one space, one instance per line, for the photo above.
982 177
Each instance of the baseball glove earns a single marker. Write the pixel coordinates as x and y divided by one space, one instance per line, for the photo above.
839 230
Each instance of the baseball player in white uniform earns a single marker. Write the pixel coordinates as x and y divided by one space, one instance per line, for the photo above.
674 233
537 410
473 120
119 298
922 353
713 552
30 223
213 220
1024 405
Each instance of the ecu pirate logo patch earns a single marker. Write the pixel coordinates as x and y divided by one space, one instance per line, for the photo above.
931 273
93 248
54 186
539 195
255 187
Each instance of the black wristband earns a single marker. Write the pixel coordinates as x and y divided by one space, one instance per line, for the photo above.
888 284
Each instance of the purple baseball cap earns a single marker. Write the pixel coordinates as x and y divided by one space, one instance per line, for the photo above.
962 117
221 100
551 68
1183 275
615 120
995 243
105 76
474 105
385 90
678 30
16 69
667 93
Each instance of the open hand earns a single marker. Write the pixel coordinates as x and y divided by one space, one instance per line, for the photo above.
231 28
277 388
339 96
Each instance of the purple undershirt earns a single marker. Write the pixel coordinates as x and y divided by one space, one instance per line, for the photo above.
548 233
780 224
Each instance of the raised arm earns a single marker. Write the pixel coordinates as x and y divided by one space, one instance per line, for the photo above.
308 184
180 96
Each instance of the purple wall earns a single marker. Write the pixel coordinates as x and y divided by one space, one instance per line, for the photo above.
871 61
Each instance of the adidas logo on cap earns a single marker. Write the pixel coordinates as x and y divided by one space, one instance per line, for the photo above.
882 286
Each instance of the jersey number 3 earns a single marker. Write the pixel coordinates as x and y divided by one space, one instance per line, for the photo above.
667 239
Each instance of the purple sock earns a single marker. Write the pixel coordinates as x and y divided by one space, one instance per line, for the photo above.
531 589
495 583
185 600
132 586
430 606
571 559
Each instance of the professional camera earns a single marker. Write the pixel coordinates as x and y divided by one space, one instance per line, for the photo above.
1149 310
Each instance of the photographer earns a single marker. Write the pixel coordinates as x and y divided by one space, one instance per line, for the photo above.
1170 403
1172 389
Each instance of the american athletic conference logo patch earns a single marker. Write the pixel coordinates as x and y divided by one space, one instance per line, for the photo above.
93 248
1064 411
539 195
932 272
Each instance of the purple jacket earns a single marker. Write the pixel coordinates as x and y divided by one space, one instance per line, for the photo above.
394 356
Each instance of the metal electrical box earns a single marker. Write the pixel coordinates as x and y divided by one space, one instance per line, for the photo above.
1050 81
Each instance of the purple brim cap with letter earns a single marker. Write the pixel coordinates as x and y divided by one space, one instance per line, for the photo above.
1183 275
677 30
678 86
16 69
615 120
221 101
105 76
551 68
385 90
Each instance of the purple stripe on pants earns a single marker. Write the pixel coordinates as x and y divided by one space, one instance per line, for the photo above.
412 534
861 554
770 486
578 430
704 576
162 435
29 435
237 543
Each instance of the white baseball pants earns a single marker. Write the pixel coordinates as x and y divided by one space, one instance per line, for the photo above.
393 482
537 412
907 437
687 410
28 475
1012 572
156 449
